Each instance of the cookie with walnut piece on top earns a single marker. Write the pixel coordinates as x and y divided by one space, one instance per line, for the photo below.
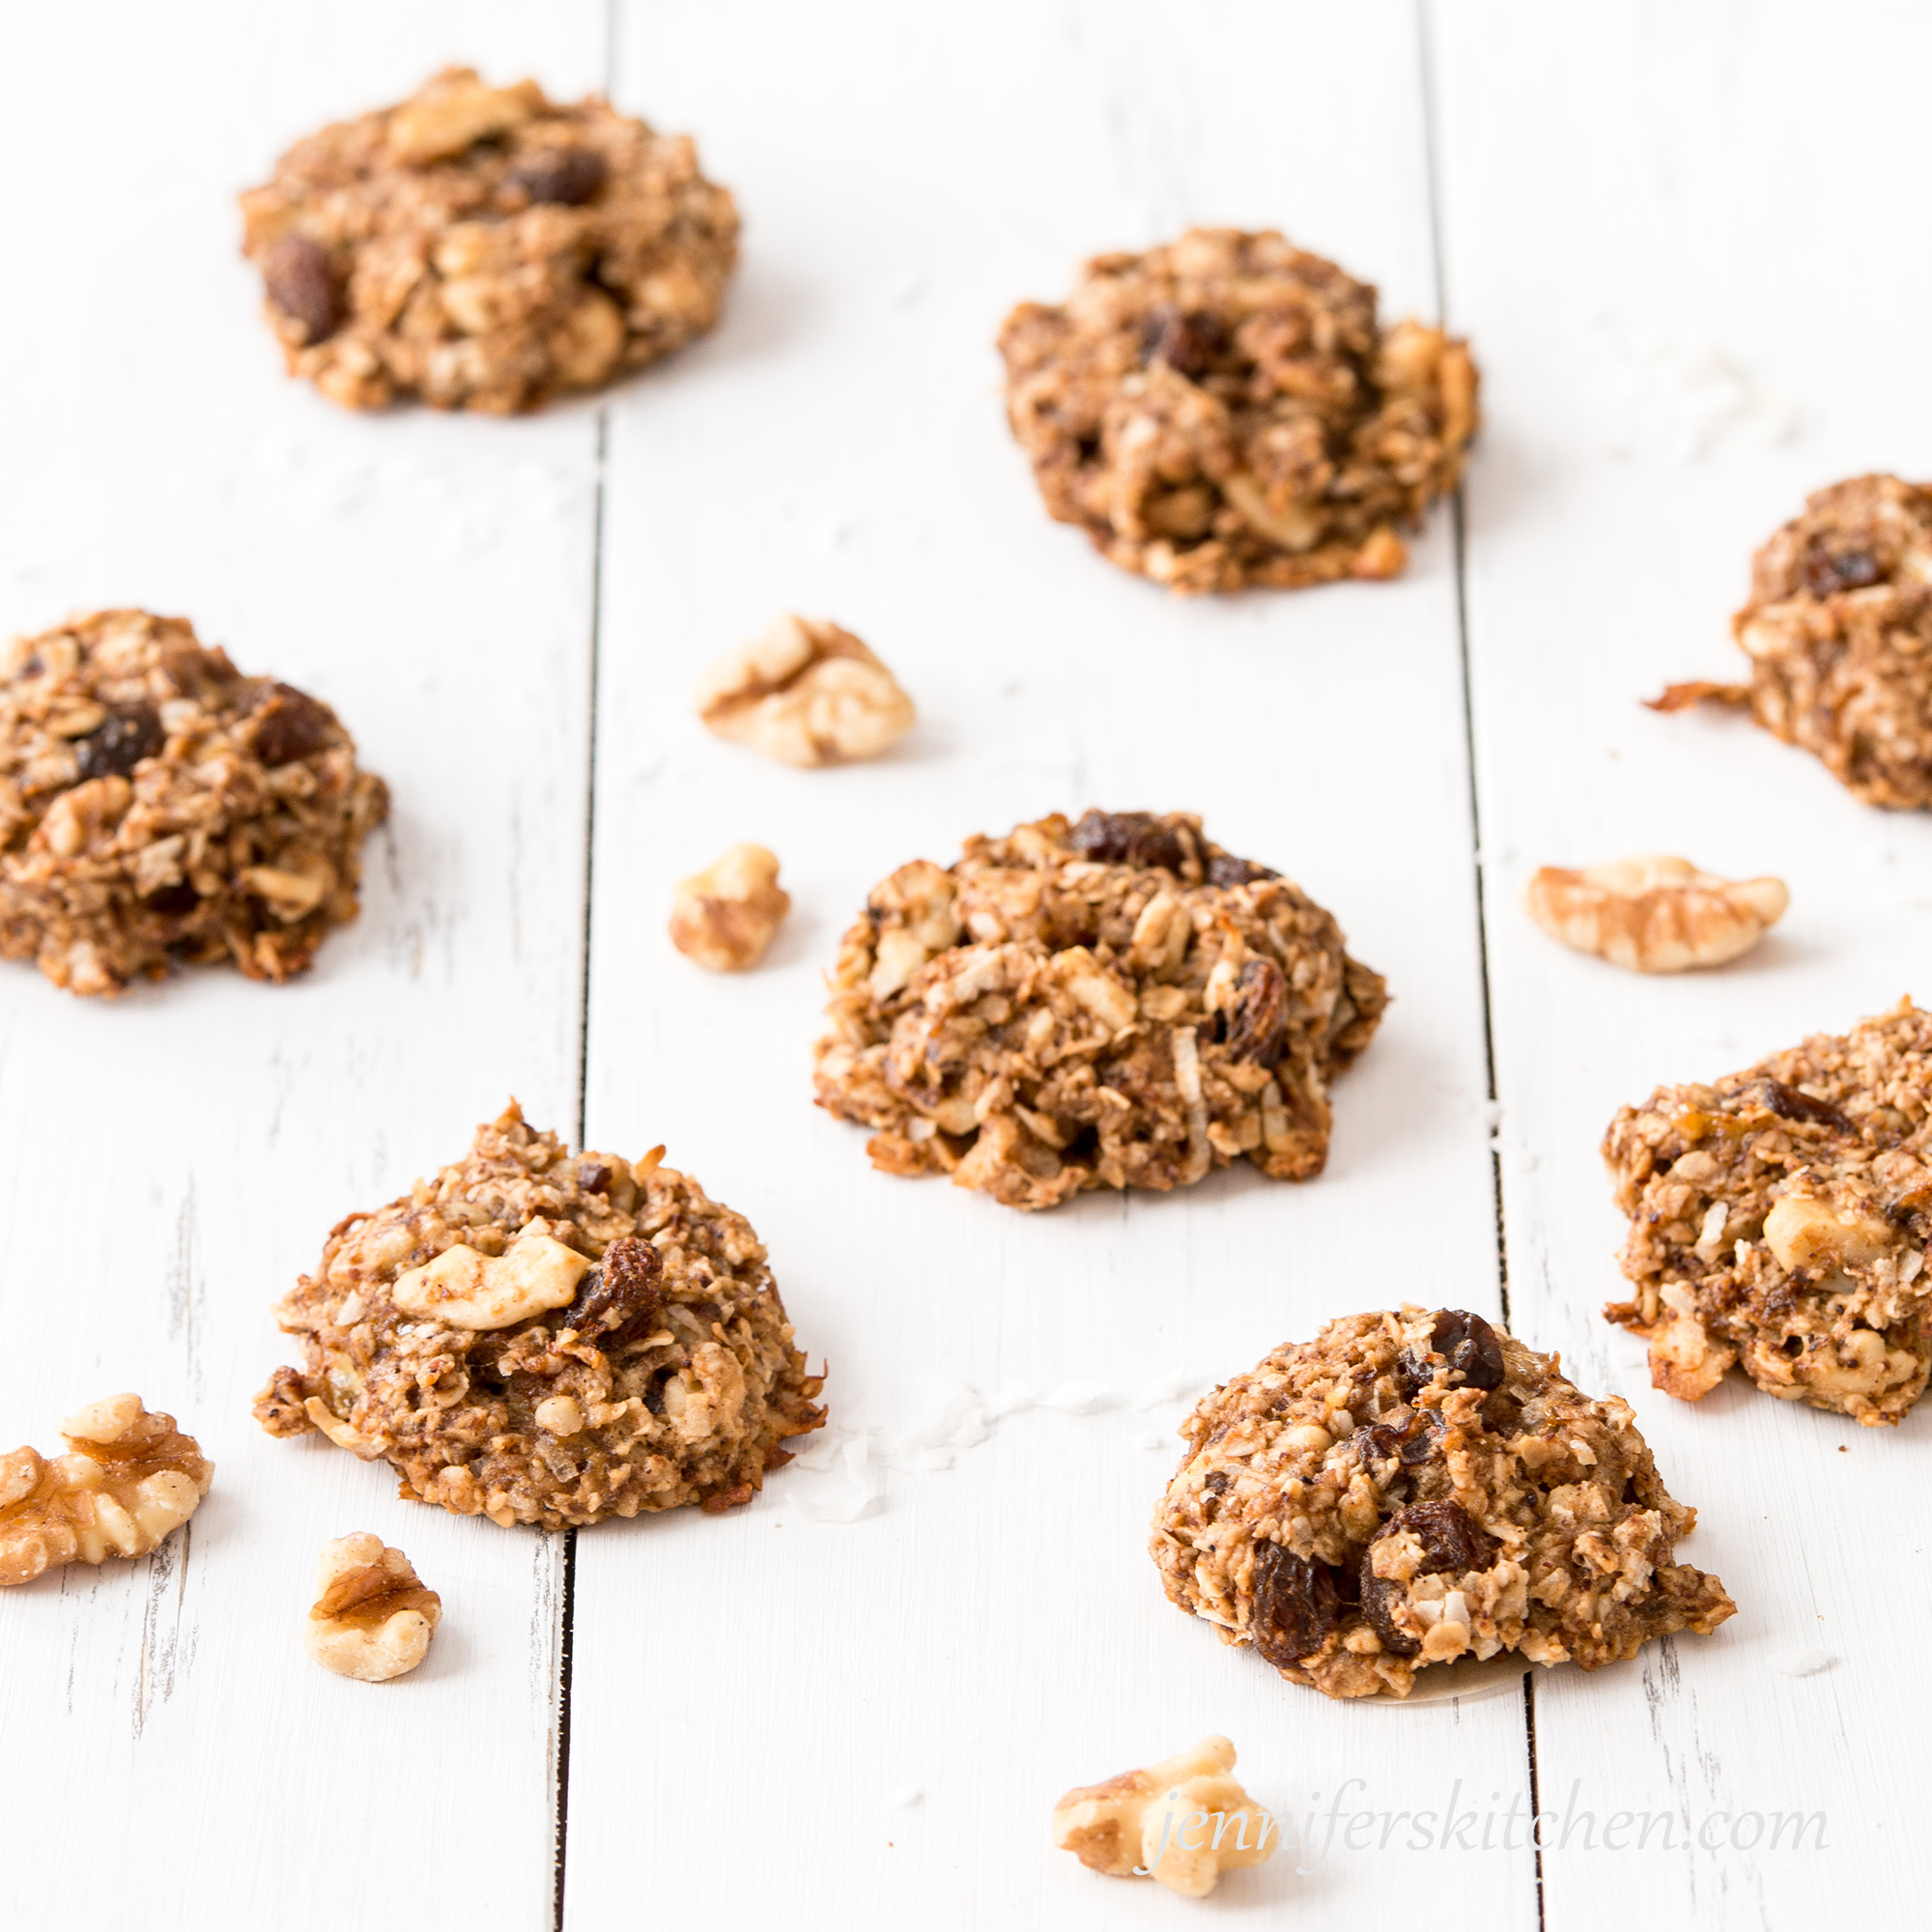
1415 1487
1780 1219
545 1337
156 806
486 248
1116 1002
1229 411
1839 630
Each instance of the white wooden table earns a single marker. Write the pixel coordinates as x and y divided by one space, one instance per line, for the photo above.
1689 246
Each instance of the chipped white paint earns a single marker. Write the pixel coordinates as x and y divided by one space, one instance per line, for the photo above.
918 1644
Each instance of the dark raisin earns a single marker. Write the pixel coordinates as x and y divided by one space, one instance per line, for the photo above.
1469 1345
1216 1482
620 1297
132 732
1257 1022
1789 1104
1379 1598
1295 1604
593 1177
290 725
1225 870
654 1394
174 901
1127 839
1451 1539
569 176
1185 342
707 1311
302 282
1826 572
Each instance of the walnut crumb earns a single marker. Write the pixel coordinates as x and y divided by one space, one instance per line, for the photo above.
372 1618
724 917
129 1479
805 693
1182 1822
1655 914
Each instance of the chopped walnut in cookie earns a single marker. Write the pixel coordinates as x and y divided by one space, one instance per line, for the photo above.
1415 1487
1655 914
372 1618
1839 630
1116 1002
1228 410
1182 1822
157 807
1780 1219
486 248
545 1337
129 1479
726 915
805 693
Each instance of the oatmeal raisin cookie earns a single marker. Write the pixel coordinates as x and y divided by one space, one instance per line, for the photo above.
543 1337
1227 411
156 806
1415 1486
1840 634
1780 1219
486 248
1116 1002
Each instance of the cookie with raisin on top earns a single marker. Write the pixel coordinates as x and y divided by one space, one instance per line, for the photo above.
1415 1487
159 808
487 248
1115 1002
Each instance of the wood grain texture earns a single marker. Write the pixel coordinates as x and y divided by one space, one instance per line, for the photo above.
1671 233
1673 207
769 1683
175 1158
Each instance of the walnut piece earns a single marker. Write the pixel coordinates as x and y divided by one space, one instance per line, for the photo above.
469 1289
1182 1822
806 694
1653 913
725 915
454 112
129 1479
372 1618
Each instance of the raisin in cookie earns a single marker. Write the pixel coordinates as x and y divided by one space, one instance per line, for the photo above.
156 806
543 1337
1840 634
1114 1003
1412 1487
1227 411
1780 1219
486 248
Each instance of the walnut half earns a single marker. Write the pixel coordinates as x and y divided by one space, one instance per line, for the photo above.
1182 1822
725 915
1653 913
806 694
372 1618
129 1479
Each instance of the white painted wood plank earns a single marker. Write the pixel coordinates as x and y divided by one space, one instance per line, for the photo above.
750 1693
174 1159
1630 188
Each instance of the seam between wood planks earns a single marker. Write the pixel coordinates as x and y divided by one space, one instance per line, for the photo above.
1425 74
567 1609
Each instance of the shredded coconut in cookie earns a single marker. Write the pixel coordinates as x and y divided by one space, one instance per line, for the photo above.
1116 1002
1415 1486
1228 410
1780 1220
486 248
551 1338
1840 634
157 807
